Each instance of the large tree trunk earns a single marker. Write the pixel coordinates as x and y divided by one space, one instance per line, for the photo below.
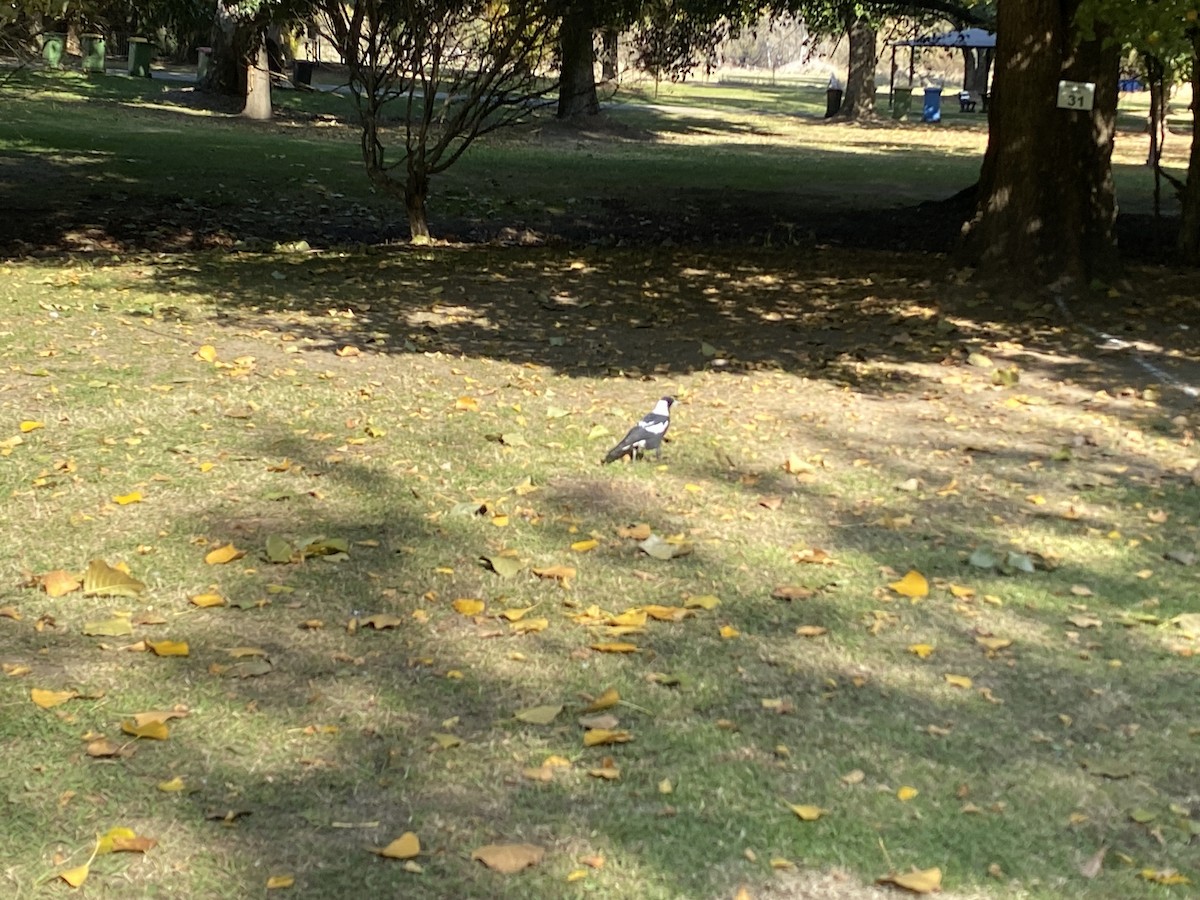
577 85
859 102
1189 226
226 69
1046 207
258 86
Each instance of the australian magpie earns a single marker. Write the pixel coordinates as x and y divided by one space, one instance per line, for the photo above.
645 435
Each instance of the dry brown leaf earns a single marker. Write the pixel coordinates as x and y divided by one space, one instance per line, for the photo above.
562 574
509 858
59 582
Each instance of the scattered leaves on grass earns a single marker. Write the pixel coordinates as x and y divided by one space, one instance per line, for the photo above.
509 858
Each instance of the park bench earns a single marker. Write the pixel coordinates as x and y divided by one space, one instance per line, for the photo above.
966 101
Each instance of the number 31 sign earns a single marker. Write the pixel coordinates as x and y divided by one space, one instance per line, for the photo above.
1076 95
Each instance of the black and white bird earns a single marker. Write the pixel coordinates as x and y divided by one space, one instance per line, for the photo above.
645 435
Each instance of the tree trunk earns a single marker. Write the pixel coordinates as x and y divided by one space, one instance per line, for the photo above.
416 193
577 84
258 87
608 56
1189 226
859 102
1046 207
226 70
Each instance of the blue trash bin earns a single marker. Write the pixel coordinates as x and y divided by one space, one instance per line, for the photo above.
932 110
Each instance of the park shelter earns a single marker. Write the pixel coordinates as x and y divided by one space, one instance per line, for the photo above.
961 38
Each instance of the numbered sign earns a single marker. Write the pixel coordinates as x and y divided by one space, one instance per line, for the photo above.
1076 95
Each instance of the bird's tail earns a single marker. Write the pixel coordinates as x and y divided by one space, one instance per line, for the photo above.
616 453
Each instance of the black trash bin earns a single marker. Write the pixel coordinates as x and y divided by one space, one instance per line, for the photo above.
302 71
833 102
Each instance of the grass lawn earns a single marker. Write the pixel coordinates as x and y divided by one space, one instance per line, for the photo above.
921 591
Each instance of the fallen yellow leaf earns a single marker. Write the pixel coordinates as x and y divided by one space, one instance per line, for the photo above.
806 813
906 793
174 786
49 699
728 631
913 585
606 700
921 650
468 607
277 882
29 425
961 681
168 648
615 647
156 731
224 554
585 546
595 737
206 353
76 876
126 499
926 881
406 846
206 600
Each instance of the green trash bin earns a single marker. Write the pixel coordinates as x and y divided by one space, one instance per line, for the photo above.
53 43
140 52
92 47
901 103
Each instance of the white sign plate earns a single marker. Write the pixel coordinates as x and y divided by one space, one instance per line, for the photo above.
1076 95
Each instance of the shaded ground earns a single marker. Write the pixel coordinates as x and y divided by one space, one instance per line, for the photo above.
93 216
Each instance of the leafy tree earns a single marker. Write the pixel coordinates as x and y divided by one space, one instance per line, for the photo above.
443 73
